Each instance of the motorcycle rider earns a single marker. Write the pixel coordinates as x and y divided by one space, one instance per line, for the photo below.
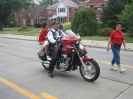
52 38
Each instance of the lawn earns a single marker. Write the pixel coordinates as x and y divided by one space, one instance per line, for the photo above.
31 31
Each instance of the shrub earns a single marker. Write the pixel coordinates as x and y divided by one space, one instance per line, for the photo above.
67 26
37 25
11 25
105 31
24 28
85 22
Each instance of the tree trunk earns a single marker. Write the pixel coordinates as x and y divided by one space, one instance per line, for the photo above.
1 27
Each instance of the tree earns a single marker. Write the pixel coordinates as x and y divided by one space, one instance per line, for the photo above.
111 11
127 1
47 2
27 3
127 18
7 8
85 22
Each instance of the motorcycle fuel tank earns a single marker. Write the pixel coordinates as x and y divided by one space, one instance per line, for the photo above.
66 50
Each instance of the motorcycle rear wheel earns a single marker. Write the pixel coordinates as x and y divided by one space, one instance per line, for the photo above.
44 66
92 72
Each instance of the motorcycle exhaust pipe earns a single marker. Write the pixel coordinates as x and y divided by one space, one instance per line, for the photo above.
45 62
47 65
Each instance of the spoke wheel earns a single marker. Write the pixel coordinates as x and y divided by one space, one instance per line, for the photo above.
92 72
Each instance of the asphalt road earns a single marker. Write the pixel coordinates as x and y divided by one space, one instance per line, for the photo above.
23 77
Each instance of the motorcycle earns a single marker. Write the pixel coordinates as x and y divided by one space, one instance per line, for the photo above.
73 55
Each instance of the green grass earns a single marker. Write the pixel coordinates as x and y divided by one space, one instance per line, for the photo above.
31 31
99 38
102 38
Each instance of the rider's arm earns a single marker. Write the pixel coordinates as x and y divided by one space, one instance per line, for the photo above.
50 37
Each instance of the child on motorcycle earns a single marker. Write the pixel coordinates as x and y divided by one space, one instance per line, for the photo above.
43 39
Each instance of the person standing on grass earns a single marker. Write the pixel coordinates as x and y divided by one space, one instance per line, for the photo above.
43 39
116 39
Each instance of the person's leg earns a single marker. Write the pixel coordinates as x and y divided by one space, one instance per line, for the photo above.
113 59
117 57
118 60
46 47
52 62
46 50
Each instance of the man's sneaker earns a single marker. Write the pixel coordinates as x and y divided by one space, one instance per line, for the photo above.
122 70
48 58
112 68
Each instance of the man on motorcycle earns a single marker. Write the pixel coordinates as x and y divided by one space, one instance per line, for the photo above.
52 38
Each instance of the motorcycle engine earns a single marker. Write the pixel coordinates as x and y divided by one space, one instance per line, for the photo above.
64 62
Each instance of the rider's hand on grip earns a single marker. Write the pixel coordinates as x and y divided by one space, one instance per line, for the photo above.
58 41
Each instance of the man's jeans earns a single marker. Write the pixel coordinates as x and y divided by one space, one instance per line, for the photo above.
116 55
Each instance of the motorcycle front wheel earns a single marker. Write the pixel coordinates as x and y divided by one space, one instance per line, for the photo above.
92 72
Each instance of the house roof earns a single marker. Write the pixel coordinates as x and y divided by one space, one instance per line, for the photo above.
35 11
99 5
68 3
84 2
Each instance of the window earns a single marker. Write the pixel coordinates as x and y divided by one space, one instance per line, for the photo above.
38 21
62 20
49 14
60 10
99 8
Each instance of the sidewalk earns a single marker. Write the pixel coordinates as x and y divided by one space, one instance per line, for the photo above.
87 43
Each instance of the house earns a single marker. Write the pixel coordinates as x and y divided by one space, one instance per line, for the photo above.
37 14
20 18
96 5
63 11
34 14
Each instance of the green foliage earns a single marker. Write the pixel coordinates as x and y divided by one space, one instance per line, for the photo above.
127 18
37 25
111 11
24 28
67 26
47 2
11 25
7 8
85 22
105 31
78 1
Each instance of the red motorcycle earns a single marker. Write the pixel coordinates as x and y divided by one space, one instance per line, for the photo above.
72 54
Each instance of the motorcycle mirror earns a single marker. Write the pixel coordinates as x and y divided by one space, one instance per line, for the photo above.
78 35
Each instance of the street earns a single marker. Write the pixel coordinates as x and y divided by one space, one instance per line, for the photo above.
23 77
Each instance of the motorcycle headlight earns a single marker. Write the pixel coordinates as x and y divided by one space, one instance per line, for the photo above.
81 46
